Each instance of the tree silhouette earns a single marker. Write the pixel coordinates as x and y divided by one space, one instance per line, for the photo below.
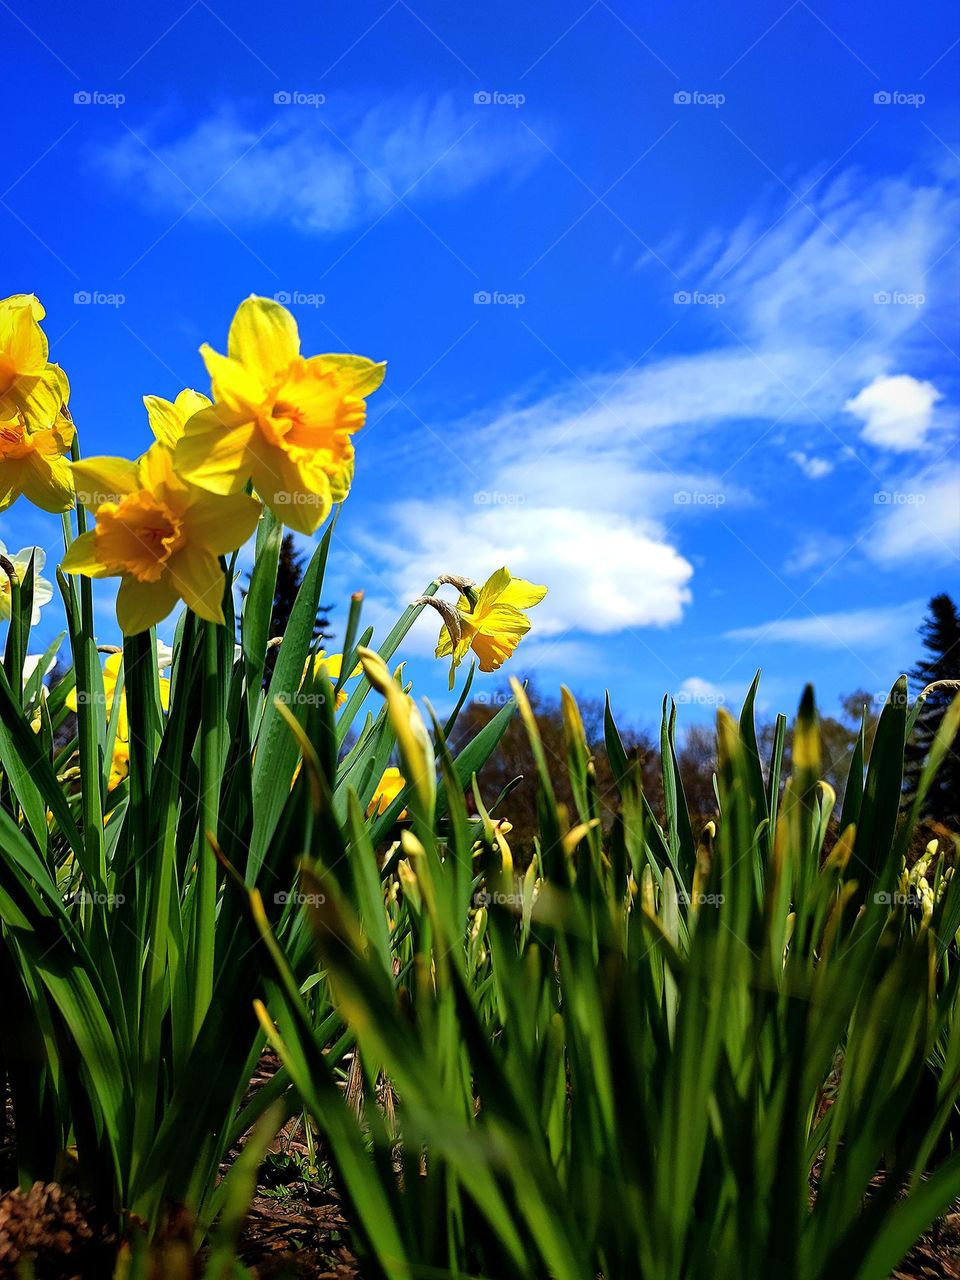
290 569
940 633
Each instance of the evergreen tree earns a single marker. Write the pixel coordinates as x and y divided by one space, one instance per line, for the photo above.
941 639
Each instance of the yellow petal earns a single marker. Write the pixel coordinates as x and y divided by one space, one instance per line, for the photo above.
522 594
168 419
199 579
100 480
356 375
233 383
263 336
141 605
48 482
82 557
11 481
38 397
294 488
221 524
22 341
215 451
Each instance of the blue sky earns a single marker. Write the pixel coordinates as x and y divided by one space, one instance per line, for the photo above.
711 397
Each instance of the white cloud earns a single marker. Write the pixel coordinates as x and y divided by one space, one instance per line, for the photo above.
853 628
700 692
812 467
314 169
605 573
920 520
896 412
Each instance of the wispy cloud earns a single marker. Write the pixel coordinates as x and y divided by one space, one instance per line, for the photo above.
850 629
319 170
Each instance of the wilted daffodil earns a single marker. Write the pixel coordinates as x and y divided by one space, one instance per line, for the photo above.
42 590
280 419
29 384
160 535
33 462
488 619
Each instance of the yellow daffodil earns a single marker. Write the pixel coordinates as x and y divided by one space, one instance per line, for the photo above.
280 419
161 535
169 417
331 665
42 590
119 762
491 623
29 384
387 790
33 462
111 674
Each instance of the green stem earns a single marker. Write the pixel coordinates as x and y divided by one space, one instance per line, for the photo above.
86 664
205 906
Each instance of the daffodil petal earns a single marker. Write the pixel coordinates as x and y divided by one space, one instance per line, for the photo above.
48 483
82 557
222 524
357 375
199 579
214 453
522 594
141 605
296 492
165 422
100 480
263 337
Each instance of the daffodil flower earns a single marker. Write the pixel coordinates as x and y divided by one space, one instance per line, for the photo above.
29 384
280 419
33 462
42 590
387 789
111 675
159 534
489 620
331 665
